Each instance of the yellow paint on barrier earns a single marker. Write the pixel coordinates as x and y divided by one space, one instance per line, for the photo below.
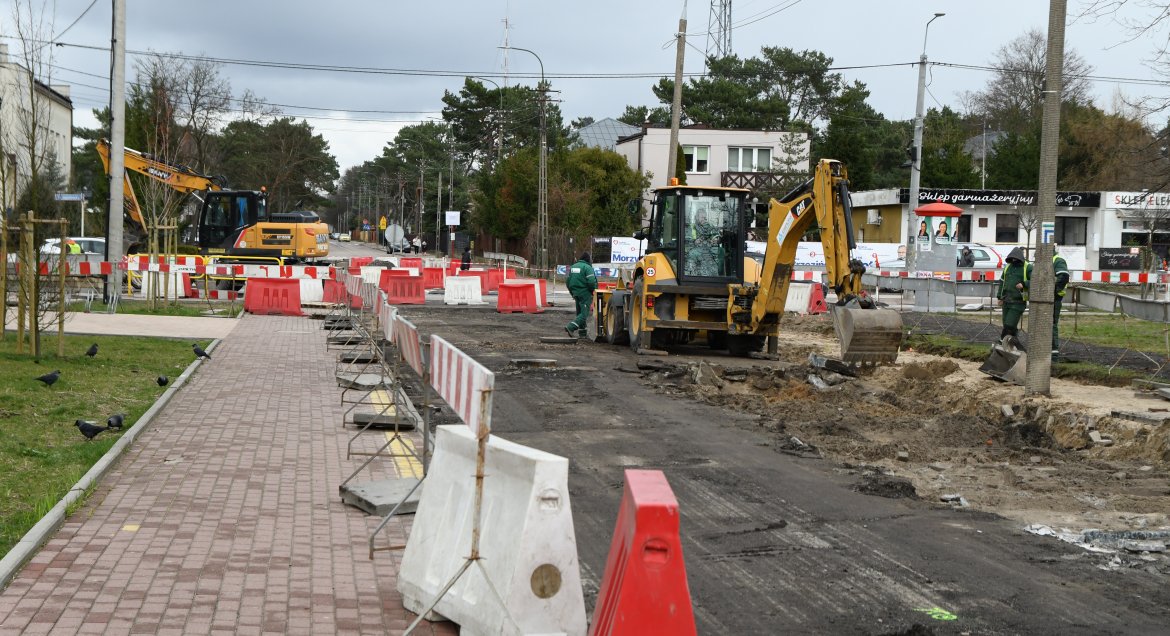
402 449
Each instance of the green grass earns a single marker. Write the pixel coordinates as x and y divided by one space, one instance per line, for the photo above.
42 455
1099 328
185 308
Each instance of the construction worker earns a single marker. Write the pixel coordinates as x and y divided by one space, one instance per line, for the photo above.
1013 294
72 246
1060 272
582 282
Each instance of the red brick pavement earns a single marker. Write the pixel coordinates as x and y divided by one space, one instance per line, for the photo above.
224 516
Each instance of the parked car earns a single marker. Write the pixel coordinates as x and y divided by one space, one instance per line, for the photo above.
89 245
344 236
334 235
985 256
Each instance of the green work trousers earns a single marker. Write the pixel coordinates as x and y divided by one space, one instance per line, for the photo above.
1012 312
1056 323
584 302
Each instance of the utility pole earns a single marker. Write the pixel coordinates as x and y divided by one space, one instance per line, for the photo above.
1042 290
916 159
114 245
438 210
676 103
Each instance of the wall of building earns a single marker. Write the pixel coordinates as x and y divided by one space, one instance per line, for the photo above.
649 152
56 131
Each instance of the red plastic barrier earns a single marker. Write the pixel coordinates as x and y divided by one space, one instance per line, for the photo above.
541 283
359 261
355 301
433 277
494 278
334 292
188 288
410 261
518 297
266 296
355 271
453 267
816 300
644 588
405 290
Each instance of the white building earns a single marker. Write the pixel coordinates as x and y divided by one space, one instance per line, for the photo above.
55 130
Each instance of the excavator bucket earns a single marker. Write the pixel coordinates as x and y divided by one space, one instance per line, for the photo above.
1006 362
867 335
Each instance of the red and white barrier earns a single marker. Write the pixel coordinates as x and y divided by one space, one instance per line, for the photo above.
409 345
465 384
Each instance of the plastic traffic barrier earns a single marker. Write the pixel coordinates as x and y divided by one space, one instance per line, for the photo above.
411 261
462 290
480 274
311 290
405 290
644 587
522 296
542 285
266 296
360 261
816 300
527 541
433 277
494 278
799 295
334 291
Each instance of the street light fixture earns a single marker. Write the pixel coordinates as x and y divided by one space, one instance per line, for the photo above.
542 196
916 158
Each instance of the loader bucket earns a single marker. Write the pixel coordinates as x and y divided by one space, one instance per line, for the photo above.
867 335
1006 363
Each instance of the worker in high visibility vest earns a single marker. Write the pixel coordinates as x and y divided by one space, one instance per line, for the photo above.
1061 273
1013 294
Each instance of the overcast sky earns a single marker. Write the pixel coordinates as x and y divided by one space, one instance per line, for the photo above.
431 45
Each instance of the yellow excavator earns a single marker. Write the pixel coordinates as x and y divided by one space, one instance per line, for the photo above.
695 277
231 222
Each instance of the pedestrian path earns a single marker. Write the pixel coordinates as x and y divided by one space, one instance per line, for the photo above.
102 324
224 516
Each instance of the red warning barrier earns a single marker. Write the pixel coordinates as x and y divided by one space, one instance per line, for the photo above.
494 278
404 290
816 300
334 292
433 277
267 296
541 284
188 289
359 261
644 588
518 297
355 301
453 267
410 261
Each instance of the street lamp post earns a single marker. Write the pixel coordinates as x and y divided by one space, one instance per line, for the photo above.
499 120
916 160
542 195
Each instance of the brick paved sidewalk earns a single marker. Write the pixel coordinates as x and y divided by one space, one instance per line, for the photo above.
224 517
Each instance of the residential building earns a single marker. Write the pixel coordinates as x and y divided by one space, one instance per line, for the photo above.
54 126
605 133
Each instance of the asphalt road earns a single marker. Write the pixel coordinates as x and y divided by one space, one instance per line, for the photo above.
776 543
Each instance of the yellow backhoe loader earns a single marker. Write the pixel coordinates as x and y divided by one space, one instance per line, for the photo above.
691 280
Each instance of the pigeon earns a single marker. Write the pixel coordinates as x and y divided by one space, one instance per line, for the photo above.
115 421
199 352
92 350
89 429
162 380
50 378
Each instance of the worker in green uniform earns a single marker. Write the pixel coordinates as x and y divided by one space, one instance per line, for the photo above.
1061 273
581 283
1013 294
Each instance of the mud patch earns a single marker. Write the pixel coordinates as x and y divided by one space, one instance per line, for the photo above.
880 484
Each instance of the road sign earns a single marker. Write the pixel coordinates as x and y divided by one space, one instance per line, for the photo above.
382 223
452 217
69 196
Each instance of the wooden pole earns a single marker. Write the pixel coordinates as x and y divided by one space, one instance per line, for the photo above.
3 279
21 290
64 225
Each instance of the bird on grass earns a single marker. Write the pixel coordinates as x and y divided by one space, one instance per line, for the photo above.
50 378
89 429
115 421
162 380
199 352
92 351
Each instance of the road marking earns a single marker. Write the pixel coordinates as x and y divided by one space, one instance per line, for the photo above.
938 614
131 527
402 449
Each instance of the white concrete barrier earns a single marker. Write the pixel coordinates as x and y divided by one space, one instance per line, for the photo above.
462 291
527 541
372 273
312 291
799 295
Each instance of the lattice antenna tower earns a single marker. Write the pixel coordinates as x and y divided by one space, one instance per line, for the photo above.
719 30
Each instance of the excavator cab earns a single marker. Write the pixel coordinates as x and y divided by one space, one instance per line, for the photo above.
225 215
701 232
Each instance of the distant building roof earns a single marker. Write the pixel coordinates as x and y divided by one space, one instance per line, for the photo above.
605 133
974 145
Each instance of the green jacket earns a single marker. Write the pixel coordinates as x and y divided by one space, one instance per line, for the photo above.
1060 271
1015 273
582 279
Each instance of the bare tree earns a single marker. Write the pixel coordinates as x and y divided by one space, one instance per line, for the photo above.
1015 93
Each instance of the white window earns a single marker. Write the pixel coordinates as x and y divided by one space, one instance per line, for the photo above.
696 157
749 159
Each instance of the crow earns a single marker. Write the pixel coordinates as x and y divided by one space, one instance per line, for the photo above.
89 429
199 352
50 378
92 350
115 421
162 380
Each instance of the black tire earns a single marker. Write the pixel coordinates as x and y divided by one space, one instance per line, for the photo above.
634 321
615 323
717 340
744 345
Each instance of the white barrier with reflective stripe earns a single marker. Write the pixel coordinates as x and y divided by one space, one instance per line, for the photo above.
799 295
462 291
312 291
527 540
465 384
372 273
409 345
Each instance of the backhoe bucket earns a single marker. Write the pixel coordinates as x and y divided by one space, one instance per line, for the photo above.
867 335
1006 363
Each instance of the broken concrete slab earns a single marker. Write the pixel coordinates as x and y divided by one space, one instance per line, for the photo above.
379 497
538 363
365 381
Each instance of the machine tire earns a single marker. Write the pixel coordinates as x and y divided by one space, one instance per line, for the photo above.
615 323
717 340
743 345
634 321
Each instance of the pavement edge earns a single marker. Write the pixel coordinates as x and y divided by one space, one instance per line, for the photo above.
32 540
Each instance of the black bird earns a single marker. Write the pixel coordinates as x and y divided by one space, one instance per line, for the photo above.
115 421
89 429
92 350
199 352
162 380
50 378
